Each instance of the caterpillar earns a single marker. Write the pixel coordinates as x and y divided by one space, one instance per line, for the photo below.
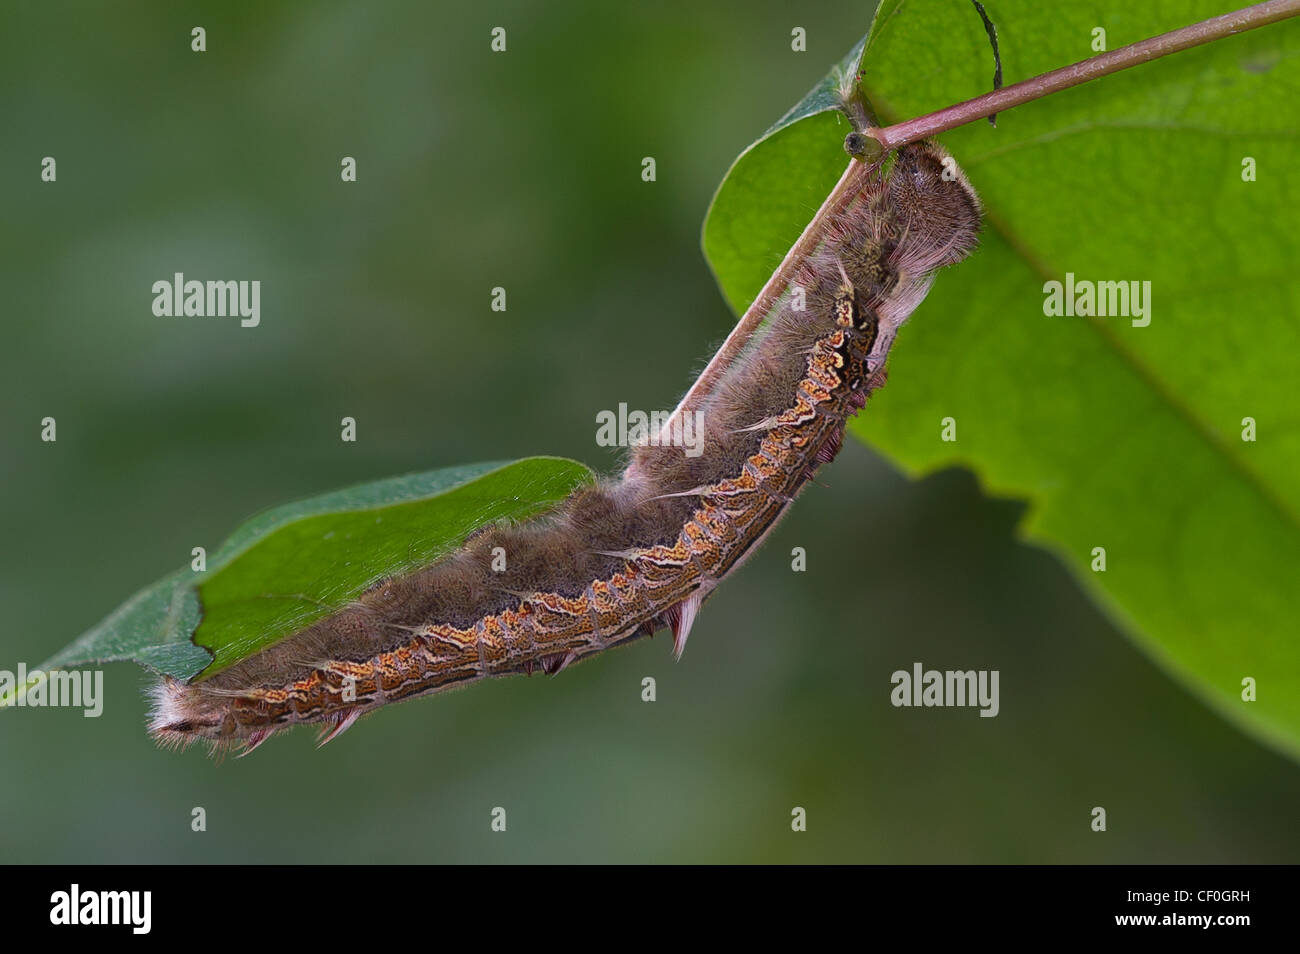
628 556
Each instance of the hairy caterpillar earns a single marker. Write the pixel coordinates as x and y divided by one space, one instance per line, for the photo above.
626 557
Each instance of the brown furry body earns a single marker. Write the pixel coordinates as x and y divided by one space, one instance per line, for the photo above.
625 557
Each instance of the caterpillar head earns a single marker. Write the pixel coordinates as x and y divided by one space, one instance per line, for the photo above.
938 211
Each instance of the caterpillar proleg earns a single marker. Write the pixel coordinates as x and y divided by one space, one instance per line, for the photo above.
626 557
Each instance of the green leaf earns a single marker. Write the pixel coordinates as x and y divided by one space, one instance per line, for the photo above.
292 565
745 240
1122 437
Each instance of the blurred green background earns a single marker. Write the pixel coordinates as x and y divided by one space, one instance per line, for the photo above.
520 170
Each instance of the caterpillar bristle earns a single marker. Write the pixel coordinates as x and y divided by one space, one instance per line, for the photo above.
336 724
555 663
681 618
253 741
766 424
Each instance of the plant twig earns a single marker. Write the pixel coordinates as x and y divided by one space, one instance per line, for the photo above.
1103 64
